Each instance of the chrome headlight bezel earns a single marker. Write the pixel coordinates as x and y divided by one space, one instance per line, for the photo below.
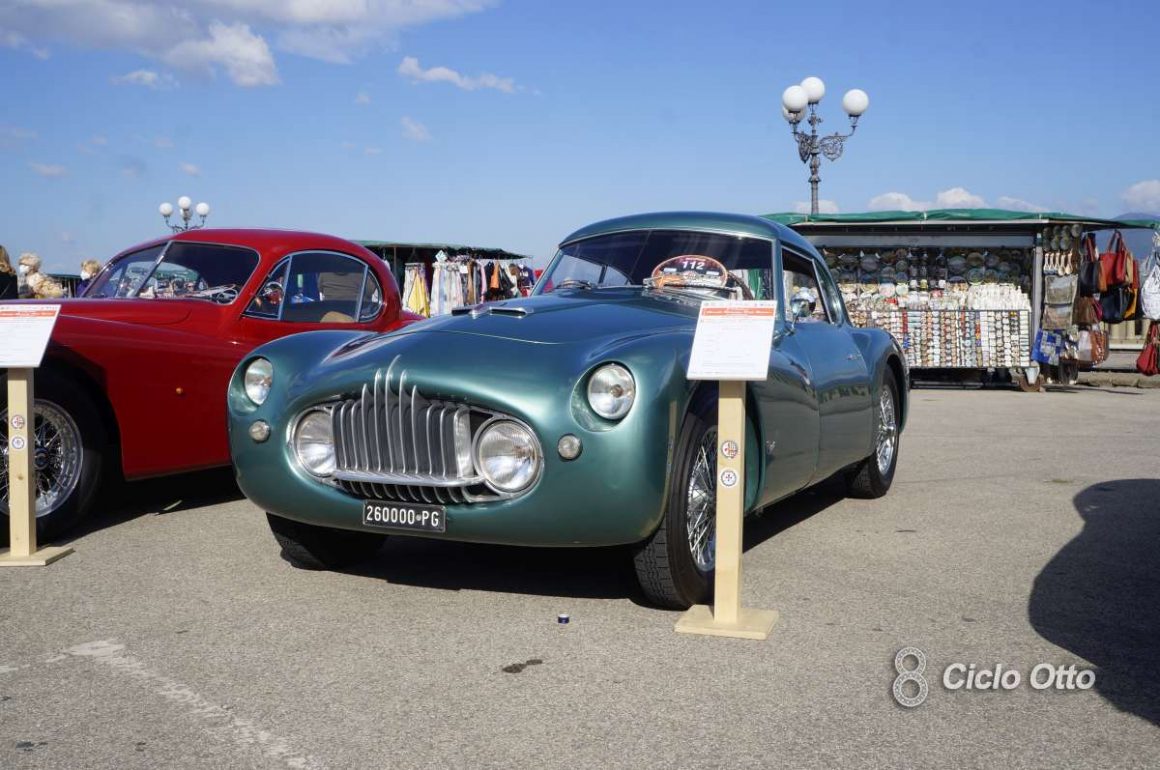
533 444
602 391
324 465
257 380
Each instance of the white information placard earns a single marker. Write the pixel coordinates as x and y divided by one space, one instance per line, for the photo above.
24 333
732 341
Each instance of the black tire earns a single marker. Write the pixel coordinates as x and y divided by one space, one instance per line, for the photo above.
56 397
868 479
665 566
307 546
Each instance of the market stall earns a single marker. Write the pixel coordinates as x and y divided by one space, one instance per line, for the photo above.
970 290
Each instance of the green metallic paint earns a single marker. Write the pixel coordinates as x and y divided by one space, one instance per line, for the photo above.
532 366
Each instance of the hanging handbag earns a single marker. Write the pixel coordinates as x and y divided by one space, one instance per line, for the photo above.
1087 311
1115 304
1150 293
1092 347
1148 362
1048 347
1059 289
1056 316
1090 276
1115 263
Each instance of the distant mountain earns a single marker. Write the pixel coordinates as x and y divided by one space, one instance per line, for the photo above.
1139 241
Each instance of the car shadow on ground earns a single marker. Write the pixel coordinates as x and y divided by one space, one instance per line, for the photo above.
1099 597
596 573
125 501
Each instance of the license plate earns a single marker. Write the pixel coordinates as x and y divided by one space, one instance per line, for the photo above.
408 516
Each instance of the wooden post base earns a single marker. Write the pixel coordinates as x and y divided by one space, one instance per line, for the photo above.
41 558
751 624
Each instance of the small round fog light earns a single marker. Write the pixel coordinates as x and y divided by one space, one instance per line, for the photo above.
259 431
569 447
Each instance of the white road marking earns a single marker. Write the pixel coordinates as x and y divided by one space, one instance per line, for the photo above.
215 718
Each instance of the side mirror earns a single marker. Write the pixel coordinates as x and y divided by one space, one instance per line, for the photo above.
800 308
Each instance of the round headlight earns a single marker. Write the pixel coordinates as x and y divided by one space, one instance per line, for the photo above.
611 391
314 442
508 456
258 378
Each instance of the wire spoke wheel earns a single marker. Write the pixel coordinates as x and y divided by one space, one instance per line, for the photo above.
57 455
887 431
701 503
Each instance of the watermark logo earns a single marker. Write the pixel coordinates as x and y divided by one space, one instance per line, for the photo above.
911 689
910 675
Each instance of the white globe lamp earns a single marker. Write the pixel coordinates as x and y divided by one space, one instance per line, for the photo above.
184 203
855 102
815 89
202 210
166 209
794 99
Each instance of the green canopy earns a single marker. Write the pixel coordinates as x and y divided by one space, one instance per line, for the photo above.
960 215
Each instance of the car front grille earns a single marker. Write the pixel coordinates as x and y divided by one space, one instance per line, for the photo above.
393 443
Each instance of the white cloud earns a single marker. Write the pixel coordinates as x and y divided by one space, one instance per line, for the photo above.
228 34
50 170
99 141
414 130
1143 196
11 136
952 198
15 40
1017 204
244 55
372 151
362 97
158 81
190 169
410 68
958 198
824 207
896 201
163 142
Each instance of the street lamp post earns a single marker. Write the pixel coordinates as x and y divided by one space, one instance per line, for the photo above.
187 209
795 102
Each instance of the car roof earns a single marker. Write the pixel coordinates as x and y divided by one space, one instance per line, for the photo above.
262 240
738 224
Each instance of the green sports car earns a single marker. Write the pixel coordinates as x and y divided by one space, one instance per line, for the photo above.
565 418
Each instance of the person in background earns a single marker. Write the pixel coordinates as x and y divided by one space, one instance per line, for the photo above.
40 286
89 270
8 282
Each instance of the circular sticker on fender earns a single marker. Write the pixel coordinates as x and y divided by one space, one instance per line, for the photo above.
17 421
728 477
729 449
17 443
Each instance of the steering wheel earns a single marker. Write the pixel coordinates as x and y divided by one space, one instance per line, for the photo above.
746 292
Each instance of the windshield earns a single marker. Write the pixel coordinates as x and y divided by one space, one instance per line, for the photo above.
712 264
201 270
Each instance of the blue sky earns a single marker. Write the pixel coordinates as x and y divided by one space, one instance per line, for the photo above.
512 123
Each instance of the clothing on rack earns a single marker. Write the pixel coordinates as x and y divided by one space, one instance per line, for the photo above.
415 294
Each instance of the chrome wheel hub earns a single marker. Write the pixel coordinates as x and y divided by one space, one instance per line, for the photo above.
56 454
701 503
887 431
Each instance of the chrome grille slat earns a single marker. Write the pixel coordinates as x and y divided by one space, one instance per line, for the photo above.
394 443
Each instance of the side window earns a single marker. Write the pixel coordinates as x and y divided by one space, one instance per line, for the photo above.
372 298
324 287
267 303
125 276
801 285
833 297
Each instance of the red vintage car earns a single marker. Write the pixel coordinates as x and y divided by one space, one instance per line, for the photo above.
134 379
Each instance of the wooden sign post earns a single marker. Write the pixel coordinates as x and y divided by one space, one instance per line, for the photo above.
732 346
27 328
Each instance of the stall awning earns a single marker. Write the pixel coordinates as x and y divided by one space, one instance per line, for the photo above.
950 216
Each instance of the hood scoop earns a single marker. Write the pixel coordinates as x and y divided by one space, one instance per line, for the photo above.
476 311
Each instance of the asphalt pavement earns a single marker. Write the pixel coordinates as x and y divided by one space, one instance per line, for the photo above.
1022 529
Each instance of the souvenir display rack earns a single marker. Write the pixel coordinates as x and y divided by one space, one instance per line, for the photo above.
948 307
